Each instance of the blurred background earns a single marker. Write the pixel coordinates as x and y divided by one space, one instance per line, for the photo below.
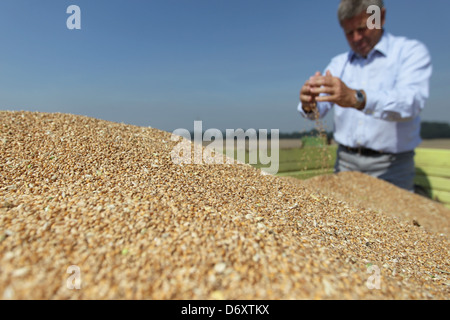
165 63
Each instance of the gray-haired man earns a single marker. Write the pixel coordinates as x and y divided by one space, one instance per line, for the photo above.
378 90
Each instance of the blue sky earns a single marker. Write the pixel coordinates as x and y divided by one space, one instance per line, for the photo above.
165 63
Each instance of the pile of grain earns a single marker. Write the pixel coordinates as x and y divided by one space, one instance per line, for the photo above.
368 193
107 199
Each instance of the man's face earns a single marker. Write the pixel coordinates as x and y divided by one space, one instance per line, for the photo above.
360 38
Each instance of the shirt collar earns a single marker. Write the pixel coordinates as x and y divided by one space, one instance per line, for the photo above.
381 47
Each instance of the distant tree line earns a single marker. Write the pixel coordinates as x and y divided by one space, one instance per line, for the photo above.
429 130
435 130
300 135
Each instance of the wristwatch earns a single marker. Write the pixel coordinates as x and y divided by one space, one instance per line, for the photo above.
360 99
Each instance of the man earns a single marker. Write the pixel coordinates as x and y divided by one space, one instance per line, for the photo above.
378 90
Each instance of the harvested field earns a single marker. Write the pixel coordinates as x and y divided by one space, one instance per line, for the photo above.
108 199
436 144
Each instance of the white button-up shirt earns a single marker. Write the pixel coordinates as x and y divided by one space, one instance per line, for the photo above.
395 76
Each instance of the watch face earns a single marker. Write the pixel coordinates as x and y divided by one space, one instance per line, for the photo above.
359 96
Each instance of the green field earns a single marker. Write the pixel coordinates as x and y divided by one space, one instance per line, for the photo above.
301 163
307 162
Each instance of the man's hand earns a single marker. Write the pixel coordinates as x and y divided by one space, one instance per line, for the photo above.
335 89
307 98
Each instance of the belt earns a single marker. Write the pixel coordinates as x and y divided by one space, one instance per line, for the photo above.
363 151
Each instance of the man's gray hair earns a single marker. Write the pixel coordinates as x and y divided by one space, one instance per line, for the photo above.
351 8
